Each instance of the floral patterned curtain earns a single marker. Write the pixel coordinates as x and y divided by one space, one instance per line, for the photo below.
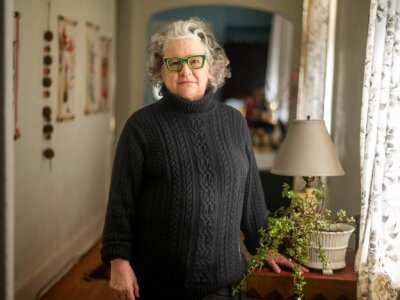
378 257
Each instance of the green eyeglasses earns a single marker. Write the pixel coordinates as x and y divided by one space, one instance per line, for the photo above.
175 63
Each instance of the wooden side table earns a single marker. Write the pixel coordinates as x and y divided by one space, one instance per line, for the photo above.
341 285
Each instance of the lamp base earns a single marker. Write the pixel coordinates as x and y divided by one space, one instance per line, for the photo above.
306 200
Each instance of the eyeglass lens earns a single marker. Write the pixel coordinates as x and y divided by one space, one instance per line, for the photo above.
194 62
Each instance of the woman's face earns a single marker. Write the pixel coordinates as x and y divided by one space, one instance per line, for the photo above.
187 84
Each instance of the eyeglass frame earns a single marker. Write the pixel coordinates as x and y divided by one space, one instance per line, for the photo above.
185 60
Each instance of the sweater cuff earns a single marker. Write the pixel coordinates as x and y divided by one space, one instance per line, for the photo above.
113 250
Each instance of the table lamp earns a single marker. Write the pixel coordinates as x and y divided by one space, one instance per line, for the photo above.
307 151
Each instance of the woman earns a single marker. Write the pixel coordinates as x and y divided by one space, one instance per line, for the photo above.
184 181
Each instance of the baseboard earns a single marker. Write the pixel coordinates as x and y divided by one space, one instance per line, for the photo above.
59 264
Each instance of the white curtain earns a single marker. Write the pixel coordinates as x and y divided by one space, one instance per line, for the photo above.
313 62
378 257
277 79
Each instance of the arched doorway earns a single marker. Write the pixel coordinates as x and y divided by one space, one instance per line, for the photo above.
132 43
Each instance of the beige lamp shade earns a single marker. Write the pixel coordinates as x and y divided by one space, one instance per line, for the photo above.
307 151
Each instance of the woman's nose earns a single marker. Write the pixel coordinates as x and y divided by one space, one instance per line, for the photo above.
185 70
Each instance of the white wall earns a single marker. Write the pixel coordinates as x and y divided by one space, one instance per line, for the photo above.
58 213
6 155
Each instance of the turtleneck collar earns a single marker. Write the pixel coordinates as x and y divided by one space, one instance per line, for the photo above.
204 104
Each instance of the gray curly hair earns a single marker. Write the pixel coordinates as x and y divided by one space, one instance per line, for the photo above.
196 29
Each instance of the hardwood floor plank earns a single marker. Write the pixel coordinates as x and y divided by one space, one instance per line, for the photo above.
74 286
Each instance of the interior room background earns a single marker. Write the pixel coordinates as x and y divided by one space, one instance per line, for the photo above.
58 205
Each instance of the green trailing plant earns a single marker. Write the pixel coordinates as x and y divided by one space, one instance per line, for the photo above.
289 230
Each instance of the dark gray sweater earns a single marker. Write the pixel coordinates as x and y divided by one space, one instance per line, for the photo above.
184 184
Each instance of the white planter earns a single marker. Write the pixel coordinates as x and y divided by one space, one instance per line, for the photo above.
334 244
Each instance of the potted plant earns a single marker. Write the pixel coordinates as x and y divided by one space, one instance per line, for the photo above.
300 232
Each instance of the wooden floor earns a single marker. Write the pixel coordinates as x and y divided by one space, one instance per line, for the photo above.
74 286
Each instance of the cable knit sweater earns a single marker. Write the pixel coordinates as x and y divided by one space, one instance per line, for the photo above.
184 184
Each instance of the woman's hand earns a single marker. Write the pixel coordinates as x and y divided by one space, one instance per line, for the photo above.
276 260
123 280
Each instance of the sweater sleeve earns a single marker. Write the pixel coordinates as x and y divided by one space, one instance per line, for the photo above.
254 214
124 189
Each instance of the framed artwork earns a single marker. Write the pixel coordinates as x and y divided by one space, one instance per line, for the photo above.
66 69
92 68
106 79
16 46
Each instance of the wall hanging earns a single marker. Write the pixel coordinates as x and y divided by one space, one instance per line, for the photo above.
48 128
66 69
16 46
106 80
92 68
